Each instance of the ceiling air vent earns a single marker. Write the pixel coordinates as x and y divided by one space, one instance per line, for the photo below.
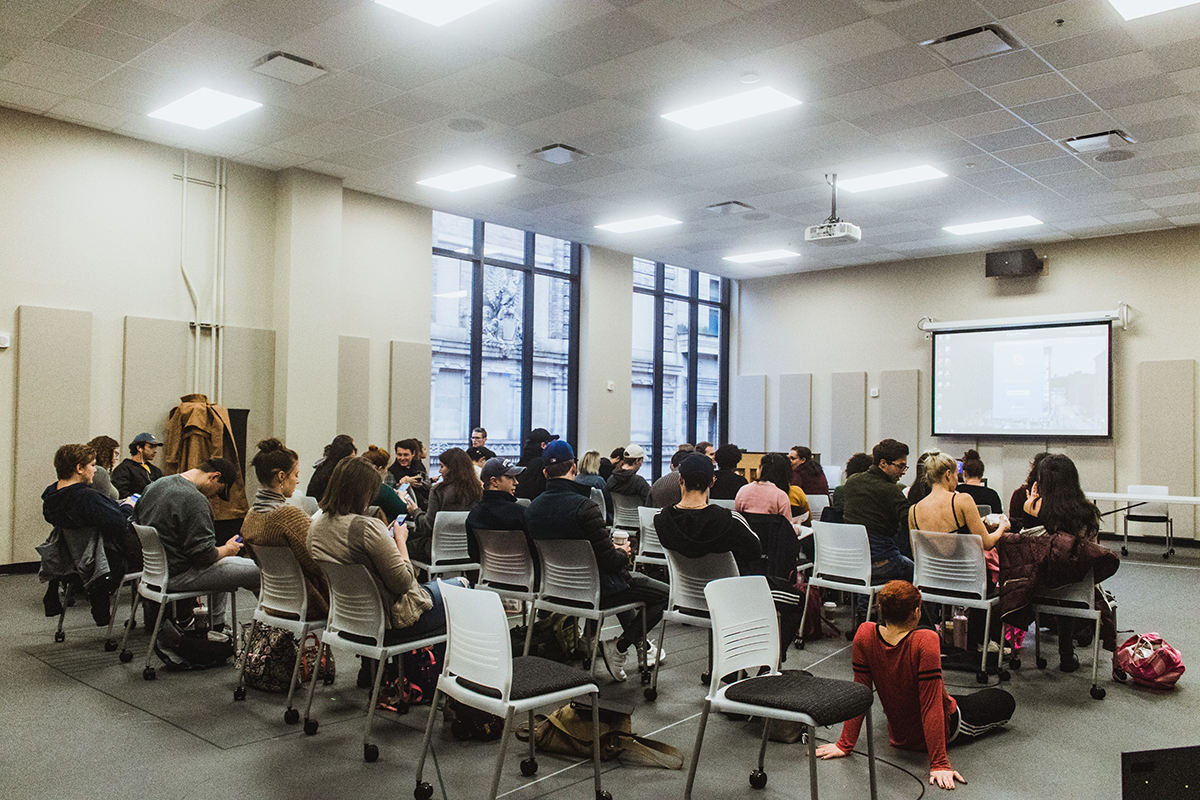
730 207
559 153
290 68
964 46
1097 142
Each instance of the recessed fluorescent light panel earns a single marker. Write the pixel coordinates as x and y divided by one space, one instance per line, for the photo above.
639 224
993 225
732 109
896 178
468 178
204 108
1132 9
436 12
766 255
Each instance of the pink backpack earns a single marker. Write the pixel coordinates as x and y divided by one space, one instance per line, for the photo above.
1149 660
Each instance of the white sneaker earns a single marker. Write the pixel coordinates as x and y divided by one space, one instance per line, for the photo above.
614 659
654 655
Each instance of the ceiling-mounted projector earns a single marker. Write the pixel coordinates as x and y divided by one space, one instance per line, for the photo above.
833 230
833 233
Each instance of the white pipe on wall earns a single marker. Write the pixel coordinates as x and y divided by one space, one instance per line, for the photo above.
219 312
188 281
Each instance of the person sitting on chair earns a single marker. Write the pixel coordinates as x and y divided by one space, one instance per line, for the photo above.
972 483
625 479
903 663
497 509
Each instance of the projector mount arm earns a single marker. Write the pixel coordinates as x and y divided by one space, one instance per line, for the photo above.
831 179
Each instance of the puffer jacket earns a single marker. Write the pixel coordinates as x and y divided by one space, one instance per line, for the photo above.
565 511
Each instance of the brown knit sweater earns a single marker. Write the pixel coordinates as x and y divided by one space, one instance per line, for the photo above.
287 526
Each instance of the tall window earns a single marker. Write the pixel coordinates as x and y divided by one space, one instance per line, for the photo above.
680 349
504 331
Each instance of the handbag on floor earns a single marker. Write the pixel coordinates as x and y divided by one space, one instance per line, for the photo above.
1149 661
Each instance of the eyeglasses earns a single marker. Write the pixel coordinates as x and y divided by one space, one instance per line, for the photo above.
900 466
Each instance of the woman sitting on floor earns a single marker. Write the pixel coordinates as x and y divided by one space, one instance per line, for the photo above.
903 663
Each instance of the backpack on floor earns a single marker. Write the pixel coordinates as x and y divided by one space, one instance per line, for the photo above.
555 636
1149 661
194 651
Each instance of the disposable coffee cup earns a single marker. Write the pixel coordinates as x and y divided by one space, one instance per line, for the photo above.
620 538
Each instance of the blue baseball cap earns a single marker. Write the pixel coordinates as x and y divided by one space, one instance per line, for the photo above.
557 452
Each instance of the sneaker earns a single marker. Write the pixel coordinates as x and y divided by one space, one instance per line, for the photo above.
614 659
654 655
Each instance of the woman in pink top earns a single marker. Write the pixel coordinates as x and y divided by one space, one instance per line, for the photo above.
768 494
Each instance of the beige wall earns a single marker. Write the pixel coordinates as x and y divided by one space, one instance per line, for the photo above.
864 318
606 345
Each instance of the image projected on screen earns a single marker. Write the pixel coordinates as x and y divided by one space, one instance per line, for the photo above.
1045 381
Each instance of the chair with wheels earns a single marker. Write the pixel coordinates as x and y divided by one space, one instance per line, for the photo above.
358 624
949 569
129 579
282 603
723 503
506 568
570 584
1157 513
650 550
153 587
687 604
448 550
481 672
597 495
842 561
1076 600
983 510
746 639
625 511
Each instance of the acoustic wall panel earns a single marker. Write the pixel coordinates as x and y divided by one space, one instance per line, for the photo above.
408 407
1166 393
748 427
899 406
848 420
248 382
353 390
155 375
53 404
794 426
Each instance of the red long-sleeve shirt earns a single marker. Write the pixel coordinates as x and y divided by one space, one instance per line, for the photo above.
908 678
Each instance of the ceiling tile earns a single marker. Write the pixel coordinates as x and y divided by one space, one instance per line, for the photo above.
980 124
1154 110
591 43
959 105
1040 26
90 114
654 67
132 18
1006 140
1055 165
893 120
1074 105
1112 71
924 88
216 44
1186 125
1078 126
578 121
681 17
856 40
892 65
67 59
413 109
97 40
27 98
1031 90
934 18
1139 91
272 21
1033 152
1003 68
45 78
1083 49
31 18
375 122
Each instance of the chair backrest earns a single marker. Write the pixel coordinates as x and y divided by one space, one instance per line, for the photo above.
745 633
833 475
648 544
1149 509
597 495
949 564
983 510
524 502
689 576
305 503
154 559
478 647
505 561
625 510
449 544
283 592
843 553
355 606
569 572
1080 594
816 504
717 501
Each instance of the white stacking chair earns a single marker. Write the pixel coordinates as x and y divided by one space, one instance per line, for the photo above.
1076 600
650 550
129 579
571 585
983 510
746 638
282 603
817 503
358 624
506 568
625 511
480 672
833 475
1157 513
153 587
949 569
687 604
842 561
524 502
597 495
448 550
305 503
716 501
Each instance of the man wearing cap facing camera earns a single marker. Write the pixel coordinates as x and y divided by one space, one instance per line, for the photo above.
177 507
565 510
497 509
135 473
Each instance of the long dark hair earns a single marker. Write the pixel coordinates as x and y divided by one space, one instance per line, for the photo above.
1064 505
1031 478
809 467
775 468
461 484
272 456
103 447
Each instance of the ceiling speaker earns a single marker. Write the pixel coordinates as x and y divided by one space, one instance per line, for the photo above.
1013 264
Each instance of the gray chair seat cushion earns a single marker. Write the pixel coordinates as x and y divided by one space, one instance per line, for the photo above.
533 676
826 700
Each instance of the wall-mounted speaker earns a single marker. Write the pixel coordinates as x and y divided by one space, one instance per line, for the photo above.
1013 264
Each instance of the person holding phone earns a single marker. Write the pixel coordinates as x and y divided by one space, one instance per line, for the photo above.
408 472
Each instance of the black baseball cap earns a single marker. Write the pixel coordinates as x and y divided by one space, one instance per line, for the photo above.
498 467
541 435
146 438
696 466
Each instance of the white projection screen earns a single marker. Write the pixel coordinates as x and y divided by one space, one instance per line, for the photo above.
1044 380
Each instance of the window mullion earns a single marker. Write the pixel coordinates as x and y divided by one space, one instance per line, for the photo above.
475 377
527 343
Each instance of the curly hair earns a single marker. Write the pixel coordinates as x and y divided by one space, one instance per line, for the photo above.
103 447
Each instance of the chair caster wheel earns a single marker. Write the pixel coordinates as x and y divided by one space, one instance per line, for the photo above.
798 644
1120 675
126 656
1004 675
423 791
110 646
239 693
310 727
758 779
1166 556
651 693
646 677
148 674
604 794
1098 692
529 767
705 678
981 677
59 636
1124 551
1041 663
1014 663
291 716
370 753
